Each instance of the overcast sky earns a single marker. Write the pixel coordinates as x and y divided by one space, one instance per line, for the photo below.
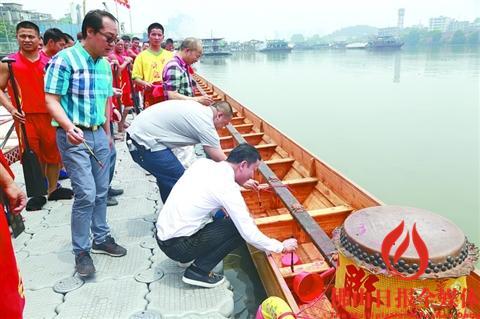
266 19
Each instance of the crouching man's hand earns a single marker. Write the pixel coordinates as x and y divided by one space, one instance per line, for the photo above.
289 245
251 184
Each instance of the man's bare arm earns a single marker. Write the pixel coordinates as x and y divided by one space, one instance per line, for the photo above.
215 154
4 100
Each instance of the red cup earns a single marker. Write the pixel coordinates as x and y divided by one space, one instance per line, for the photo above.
308 286
259 313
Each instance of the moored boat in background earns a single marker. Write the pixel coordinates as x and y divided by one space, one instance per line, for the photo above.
215 47
275 46
356 45
387 42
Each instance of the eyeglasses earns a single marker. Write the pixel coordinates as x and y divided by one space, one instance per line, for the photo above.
110 39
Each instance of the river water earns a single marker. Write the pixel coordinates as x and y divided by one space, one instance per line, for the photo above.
403 125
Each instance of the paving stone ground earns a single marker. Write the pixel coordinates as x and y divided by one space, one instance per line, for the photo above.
44 257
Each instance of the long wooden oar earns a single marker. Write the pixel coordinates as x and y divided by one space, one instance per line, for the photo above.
136 102
14 220
32 172
116 84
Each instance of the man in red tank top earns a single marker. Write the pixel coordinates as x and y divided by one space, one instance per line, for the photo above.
134 49
121 80
29 70
53 42
11 286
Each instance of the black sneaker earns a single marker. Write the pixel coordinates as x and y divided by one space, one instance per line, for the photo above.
111 201
109 247
115 191
197 277
36 203
61 193
84 264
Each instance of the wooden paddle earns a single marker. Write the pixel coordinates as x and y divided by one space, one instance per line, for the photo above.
136 102
32 172
15 221
117 85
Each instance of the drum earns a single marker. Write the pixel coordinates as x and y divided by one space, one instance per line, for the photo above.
401 262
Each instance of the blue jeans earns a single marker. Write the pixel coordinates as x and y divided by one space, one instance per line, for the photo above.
207 247
163 164
113 160
90 187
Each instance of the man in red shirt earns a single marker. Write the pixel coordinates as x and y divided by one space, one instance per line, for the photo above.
122 80
29 70
134 48
11 286
53 42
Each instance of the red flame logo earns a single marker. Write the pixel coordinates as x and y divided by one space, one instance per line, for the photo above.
418 242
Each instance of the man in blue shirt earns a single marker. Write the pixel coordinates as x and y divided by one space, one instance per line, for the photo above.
78 84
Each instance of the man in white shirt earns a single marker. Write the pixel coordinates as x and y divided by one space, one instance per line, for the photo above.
186 230
170 124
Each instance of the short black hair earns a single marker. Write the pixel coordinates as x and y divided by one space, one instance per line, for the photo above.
28 25
79 36
169 40
135 39
68 37
53 34
94 19
155 25
125 38
244 152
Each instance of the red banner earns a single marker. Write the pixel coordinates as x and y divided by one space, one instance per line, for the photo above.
124 3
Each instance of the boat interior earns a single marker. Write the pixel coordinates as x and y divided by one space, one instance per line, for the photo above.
302 198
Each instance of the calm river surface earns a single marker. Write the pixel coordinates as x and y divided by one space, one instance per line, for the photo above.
403 125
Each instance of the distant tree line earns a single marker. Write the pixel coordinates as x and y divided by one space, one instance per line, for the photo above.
314 39
413 36
418 37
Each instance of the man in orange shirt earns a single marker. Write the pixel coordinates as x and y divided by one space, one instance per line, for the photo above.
29 70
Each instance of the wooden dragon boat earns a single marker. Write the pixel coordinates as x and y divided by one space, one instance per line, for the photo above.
307 199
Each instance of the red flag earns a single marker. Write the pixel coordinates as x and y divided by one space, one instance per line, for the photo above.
123 3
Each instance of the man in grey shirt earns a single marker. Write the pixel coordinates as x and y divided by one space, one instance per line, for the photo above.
171 124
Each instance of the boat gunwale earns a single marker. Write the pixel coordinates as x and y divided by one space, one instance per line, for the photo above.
374 201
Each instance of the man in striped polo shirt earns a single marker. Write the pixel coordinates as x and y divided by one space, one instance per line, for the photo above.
78 84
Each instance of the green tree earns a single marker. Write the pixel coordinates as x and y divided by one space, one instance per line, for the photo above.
412 37
314 39
297 38
474 38
66 19
7 32
458 37
435 37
